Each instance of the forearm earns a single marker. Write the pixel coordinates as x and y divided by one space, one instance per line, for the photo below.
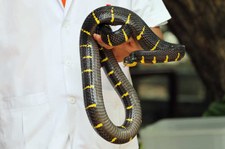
157 31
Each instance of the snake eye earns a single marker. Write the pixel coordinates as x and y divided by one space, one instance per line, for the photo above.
129 61
126 61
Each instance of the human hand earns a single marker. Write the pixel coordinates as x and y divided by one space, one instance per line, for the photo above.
120 51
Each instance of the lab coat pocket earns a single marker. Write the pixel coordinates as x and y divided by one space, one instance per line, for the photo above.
37 126
25 122
21 102
11 129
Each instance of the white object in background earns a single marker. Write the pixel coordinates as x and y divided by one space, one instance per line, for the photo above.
188 133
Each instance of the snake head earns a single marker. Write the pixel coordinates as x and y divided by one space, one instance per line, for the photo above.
130 60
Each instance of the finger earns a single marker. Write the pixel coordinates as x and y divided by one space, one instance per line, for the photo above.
100 42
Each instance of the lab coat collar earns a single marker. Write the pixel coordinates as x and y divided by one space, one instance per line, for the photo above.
67 7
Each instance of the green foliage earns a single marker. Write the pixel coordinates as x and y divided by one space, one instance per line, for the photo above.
216 108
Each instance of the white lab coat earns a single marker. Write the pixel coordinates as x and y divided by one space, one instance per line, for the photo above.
41 104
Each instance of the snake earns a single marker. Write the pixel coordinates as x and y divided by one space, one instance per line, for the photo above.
93 58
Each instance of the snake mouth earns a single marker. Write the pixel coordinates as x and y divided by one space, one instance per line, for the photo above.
182 47
130 60
177 47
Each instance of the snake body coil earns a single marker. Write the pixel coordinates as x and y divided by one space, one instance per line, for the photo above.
93 57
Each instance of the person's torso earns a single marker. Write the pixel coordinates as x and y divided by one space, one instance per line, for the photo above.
39 46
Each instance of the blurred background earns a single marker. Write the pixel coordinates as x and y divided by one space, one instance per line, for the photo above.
195 86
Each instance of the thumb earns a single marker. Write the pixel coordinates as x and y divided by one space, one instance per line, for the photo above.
98 38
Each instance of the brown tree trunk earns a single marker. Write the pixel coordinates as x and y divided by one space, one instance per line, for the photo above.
200 25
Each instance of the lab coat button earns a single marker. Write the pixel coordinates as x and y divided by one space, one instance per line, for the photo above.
72 100
66 24
68 62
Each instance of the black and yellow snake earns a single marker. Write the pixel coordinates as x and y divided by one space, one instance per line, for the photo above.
93 57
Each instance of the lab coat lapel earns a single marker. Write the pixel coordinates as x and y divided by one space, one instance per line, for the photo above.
68 6
60 3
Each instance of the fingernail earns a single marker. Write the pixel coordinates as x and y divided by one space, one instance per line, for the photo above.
96 35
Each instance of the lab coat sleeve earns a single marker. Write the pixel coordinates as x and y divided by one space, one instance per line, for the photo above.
153 12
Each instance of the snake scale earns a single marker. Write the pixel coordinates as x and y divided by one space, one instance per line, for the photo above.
94 57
